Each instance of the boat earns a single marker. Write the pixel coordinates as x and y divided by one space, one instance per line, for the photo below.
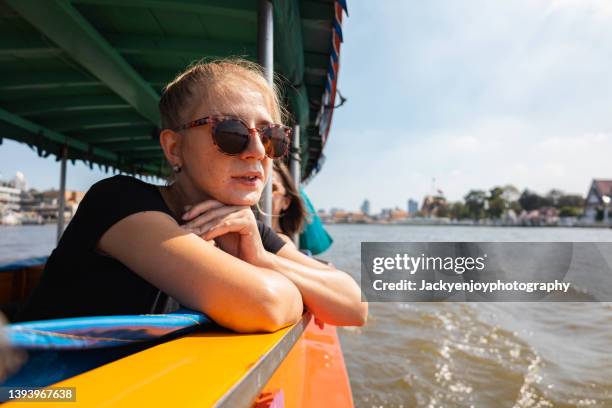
31 218
10 218
82 81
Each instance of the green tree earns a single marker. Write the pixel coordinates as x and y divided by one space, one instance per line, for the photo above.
475 203
571 200
515 206
458 211
442 211
530 200
554 196
511 193
497 204
569 211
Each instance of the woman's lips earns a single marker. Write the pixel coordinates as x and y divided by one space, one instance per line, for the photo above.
249 181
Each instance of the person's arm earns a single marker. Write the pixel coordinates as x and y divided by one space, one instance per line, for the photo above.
286 239
332 295
235 294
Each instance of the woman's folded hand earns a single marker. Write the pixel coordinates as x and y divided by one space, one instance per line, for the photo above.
232 228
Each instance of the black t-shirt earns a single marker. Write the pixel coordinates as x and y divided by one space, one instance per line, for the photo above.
80 281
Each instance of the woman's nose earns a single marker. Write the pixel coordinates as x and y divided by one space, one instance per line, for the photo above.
255 149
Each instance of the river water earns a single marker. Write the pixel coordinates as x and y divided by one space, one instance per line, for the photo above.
453 354
475 354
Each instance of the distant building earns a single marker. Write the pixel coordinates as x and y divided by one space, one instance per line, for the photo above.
48 203
19 181
10 193
432 205
334 210
413 206
20 205
539 217
339 215
323 215
594 202
365 207
398 214
9 198
393 214
385 213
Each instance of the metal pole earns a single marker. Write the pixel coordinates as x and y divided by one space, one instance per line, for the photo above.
62 195
294 164
265 51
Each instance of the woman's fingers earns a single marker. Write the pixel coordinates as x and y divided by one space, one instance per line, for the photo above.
235 225
199 208
235 222
212 214
204 224
198 232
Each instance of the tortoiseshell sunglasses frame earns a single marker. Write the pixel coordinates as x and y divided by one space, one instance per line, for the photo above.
216 119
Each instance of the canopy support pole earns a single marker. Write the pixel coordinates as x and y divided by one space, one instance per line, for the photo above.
294 164
265 56
62 194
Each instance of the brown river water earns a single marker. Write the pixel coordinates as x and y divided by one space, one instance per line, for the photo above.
453 354
475 354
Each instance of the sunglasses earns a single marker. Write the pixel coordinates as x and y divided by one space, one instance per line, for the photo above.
232 135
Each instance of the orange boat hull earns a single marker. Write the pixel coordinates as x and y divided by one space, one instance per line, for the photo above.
312 375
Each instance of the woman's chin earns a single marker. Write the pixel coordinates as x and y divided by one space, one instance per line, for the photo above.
249 199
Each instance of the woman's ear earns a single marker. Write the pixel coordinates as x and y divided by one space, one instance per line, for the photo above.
170 142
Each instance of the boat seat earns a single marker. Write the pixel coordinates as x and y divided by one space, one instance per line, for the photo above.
17 280
78 344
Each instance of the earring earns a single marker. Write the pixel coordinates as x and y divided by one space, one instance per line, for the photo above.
177 168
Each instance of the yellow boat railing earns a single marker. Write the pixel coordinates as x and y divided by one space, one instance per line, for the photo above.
244 392
208 368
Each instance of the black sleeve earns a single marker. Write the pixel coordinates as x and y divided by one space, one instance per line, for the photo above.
271 241
107 202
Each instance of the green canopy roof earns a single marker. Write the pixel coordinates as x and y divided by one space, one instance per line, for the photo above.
87 74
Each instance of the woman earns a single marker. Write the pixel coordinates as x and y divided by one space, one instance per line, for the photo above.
196 240
293 213
288 211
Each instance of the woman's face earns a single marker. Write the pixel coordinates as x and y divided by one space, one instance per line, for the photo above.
280 201
228 178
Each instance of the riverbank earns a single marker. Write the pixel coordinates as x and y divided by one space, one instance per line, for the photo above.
434 222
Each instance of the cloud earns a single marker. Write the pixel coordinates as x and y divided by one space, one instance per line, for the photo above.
600 9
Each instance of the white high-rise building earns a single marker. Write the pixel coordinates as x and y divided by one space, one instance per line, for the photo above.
19 181
9 198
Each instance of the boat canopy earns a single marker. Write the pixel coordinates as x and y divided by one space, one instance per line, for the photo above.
82 78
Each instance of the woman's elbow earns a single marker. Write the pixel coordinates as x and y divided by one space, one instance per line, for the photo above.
357 316
266 320
357 311
279 307
362 315
283 308
277 321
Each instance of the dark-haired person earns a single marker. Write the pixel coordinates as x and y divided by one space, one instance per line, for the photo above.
288 210
131 241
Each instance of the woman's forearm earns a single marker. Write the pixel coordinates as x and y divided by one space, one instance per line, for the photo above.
332 295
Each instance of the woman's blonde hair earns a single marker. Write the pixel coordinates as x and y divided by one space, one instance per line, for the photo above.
183 95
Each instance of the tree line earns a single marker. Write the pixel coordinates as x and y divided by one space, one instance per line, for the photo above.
495 203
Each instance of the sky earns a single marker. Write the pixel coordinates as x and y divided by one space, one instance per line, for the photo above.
471 93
